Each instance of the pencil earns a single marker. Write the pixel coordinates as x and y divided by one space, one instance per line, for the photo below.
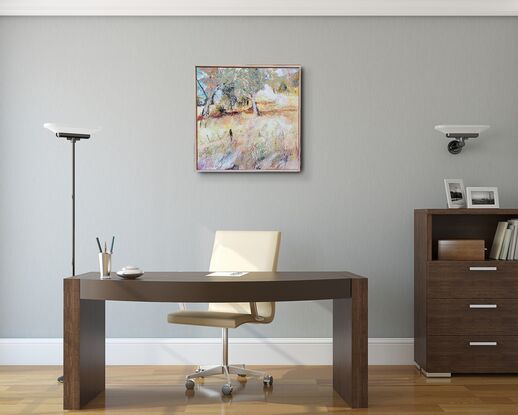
111 248
99 244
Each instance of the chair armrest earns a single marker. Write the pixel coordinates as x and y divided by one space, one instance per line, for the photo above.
255 314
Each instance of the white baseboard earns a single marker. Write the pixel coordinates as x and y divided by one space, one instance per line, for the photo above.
205 351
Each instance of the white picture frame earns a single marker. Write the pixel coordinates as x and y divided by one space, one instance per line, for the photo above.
482 197
455 193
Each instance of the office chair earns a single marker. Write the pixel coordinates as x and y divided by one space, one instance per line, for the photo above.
234 251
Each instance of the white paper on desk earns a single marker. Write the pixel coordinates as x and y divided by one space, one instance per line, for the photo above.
227 274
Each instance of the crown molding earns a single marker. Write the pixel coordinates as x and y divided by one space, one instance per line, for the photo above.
259 8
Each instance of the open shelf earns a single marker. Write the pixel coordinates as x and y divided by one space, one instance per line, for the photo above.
467 224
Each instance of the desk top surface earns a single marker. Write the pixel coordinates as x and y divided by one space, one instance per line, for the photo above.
198 287
250 277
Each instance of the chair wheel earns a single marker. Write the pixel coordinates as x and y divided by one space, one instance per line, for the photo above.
189 384
226 389
268 380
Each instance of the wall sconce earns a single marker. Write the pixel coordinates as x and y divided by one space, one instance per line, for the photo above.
458 134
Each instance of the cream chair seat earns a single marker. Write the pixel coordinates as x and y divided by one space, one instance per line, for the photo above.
235 251
211 318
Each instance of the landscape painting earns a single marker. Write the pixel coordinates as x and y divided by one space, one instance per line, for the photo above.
248 118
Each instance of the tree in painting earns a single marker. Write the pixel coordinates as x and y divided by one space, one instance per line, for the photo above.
248 118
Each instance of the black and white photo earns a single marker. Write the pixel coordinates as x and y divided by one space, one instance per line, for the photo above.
483 197
455 193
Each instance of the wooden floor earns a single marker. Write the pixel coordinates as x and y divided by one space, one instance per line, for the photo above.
296 390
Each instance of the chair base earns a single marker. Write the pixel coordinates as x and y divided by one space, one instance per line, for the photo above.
226 370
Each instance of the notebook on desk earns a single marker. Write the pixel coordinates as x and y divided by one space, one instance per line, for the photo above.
227 274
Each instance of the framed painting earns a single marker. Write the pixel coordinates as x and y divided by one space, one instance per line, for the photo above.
248 118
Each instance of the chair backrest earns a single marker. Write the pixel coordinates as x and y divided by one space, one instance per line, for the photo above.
245 251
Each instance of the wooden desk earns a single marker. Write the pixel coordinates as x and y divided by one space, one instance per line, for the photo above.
84 318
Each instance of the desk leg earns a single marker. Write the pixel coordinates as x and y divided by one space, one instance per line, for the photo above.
84 347
350 341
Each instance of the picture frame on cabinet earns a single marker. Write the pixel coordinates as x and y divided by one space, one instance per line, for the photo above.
482 197
455 193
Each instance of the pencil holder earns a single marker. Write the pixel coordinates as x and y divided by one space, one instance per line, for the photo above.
105 265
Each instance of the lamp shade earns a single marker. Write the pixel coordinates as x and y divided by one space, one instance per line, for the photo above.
62 130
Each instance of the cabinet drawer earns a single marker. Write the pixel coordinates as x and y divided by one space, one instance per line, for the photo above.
483 279
475 354
474 316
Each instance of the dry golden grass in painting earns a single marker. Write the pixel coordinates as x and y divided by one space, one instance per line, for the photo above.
248 119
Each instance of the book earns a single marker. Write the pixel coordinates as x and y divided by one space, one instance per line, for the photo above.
510 250
505 244
514 246
514 239
498 240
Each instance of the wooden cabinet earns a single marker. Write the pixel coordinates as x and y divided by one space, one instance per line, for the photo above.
465 312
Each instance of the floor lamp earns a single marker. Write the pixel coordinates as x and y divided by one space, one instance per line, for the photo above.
72 134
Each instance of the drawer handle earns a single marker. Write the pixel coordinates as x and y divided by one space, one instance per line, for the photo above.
483 269
483 306
482 343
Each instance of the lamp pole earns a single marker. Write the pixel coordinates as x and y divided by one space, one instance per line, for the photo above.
73 138
71 134
74 206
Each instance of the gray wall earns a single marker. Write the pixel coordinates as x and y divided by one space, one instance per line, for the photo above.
373 88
